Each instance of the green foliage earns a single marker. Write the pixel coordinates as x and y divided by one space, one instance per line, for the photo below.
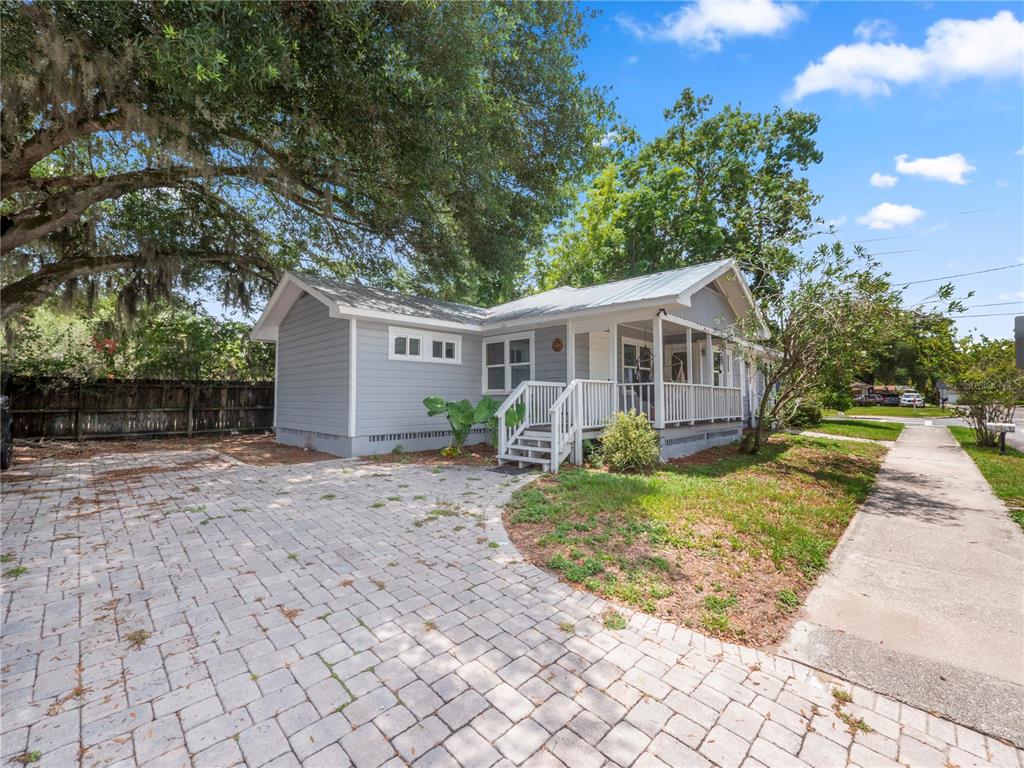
205 145
461 417
629 443
871 430
806 414
166 342
788 600
715 184
487 410
829 317
913 349
837 399
614 620
989 384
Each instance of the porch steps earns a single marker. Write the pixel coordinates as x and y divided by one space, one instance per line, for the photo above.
531 447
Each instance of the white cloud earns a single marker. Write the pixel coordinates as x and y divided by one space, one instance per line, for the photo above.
875 29
707 23
882 180
1020 151
835 223
1002 183
954 49
632 59
889 216
951 168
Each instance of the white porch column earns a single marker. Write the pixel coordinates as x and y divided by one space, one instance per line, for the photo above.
659 374
710 354
711 375
690 378
613 364
570 353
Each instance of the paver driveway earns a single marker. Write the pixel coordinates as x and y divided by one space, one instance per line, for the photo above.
335 613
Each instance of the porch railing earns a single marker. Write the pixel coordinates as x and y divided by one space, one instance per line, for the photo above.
536 398
637 397
701 402
587 404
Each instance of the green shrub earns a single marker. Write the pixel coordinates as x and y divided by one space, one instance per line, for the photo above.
806 414
629 443
837 401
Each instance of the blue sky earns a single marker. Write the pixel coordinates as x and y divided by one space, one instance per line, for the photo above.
928 96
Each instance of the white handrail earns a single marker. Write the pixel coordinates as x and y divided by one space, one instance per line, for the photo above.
534 396
558 422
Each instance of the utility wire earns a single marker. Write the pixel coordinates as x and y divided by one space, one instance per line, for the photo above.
993 314
962 274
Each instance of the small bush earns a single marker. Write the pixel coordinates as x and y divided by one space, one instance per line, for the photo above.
807 414
630 444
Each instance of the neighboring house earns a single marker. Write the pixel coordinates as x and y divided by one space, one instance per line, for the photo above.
354 363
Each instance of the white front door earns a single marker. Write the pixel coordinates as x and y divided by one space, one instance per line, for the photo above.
599 362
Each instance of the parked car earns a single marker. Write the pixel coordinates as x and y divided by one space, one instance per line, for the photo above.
911 399
6 435
890 399
869 399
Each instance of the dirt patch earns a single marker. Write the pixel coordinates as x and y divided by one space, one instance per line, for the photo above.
756 618
723 543
477 455
257 450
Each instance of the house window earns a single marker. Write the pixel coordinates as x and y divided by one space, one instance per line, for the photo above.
422 346
637 361
508 362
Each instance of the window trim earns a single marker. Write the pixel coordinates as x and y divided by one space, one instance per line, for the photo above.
506 365
426 339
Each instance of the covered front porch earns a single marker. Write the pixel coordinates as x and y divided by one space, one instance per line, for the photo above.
674 371
681 374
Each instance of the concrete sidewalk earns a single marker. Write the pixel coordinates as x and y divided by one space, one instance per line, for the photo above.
924 600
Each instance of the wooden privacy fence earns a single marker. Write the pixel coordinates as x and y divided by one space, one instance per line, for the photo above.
123 408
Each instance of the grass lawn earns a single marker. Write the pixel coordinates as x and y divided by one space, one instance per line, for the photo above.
872 430
924 412
1004 473
721 541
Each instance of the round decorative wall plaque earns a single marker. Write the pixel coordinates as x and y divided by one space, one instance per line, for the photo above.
556 344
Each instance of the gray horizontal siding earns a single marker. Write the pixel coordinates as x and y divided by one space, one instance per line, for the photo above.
389 393
312 369
549 365
709 308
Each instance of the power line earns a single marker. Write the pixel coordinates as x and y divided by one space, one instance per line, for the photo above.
962 274
993 314
998 304
905 250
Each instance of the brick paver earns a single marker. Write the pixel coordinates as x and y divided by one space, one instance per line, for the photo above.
182 608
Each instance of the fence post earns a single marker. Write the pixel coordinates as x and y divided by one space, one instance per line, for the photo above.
190 400
78 414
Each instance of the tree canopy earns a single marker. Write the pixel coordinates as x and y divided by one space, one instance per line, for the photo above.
723 184
826 323
152 146
168 341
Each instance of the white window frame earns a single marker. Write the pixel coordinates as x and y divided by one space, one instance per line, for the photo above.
507 366
426 339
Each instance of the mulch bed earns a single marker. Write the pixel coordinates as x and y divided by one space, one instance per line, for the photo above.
255 449
477 455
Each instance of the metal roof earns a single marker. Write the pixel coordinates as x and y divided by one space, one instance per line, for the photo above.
643 288
669 284
356 296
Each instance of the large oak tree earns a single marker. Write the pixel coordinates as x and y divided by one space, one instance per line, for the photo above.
188 144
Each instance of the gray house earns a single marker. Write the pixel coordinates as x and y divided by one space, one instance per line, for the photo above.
354 363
